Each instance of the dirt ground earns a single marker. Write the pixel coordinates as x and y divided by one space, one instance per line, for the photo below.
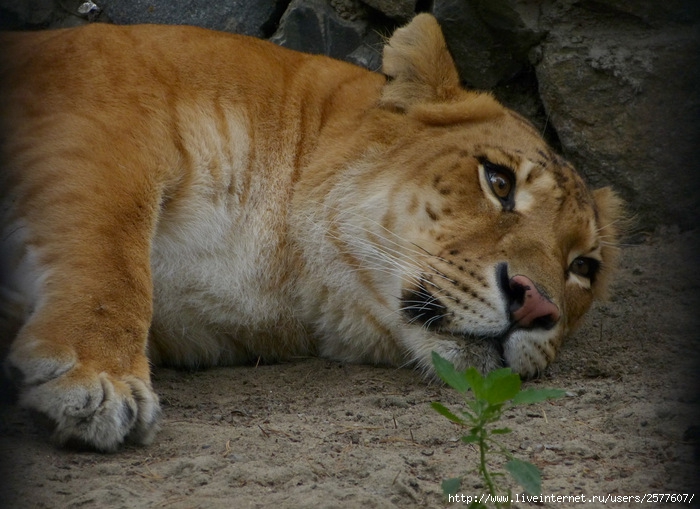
313 433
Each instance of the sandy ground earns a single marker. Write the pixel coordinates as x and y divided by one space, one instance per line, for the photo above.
312 433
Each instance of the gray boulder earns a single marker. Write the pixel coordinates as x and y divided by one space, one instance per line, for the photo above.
315 26
30 12
396 9
619 82
489 40
250 17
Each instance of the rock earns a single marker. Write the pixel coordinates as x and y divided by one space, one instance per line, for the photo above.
395 9
314 26
33 14
250 17
621 94
369 53
489 40
29 12
350 10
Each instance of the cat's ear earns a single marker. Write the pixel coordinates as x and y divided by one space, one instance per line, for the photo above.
614 223
422 78
418 65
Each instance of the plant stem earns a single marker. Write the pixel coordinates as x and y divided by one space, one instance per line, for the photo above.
484 470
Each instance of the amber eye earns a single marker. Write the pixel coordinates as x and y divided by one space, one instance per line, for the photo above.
585 267
502 183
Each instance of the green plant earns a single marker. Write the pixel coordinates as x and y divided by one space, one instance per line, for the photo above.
492 395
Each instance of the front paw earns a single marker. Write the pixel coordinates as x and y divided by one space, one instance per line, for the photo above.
88 405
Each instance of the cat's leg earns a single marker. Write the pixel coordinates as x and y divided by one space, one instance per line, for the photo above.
80 358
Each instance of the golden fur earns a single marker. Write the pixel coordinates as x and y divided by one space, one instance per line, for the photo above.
203 198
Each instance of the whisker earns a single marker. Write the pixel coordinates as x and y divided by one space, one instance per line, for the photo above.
402 242
428 253
383 248
396 253
427 324
442 275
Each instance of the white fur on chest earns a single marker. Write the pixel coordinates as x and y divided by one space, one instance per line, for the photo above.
217 263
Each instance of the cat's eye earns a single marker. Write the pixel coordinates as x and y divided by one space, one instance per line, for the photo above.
502 183
585 267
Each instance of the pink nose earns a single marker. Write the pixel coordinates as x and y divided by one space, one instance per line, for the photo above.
533 309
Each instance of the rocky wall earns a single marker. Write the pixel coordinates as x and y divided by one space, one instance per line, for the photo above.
611 83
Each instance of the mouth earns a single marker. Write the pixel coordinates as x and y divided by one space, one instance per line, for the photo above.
423 308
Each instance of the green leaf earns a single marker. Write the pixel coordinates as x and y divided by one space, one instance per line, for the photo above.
468 415
500 431
476 382
444 411
537 395
447 372
470 439
501 385
477 406
491 413
526 475
497 374
451 486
